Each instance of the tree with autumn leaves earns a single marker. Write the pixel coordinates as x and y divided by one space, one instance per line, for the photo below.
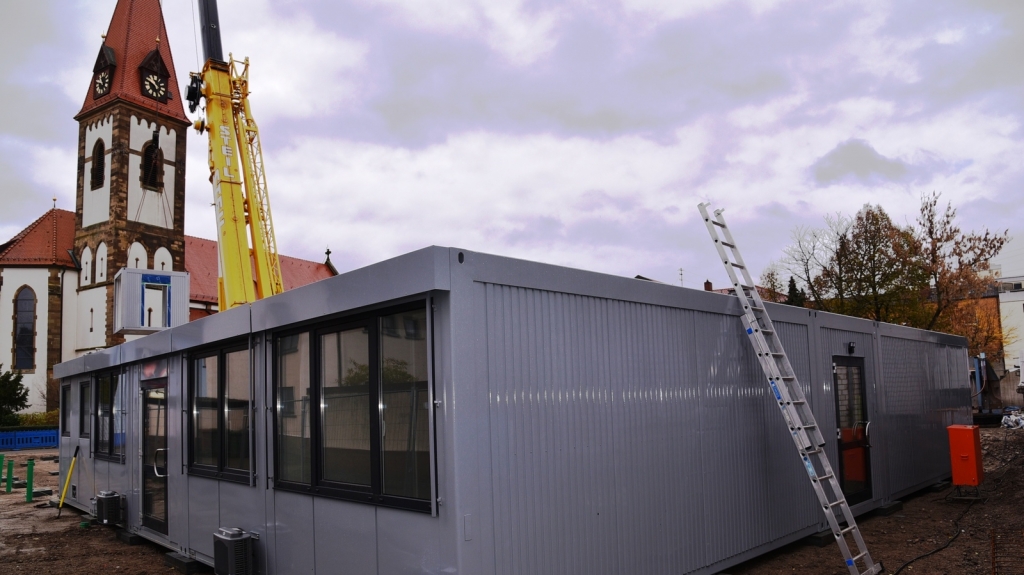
929 275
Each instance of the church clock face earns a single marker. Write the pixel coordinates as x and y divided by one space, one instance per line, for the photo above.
102 83
155 87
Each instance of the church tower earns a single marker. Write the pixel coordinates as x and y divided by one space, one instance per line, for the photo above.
131 166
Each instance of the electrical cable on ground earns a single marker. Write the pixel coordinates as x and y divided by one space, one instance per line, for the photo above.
943 546
997 481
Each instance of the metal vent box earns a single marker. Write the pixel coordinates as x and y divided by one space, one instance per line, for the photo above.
108 507
148 301
232 551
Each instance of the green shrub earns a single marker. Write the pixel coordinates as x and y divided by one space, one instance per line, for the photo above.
48 419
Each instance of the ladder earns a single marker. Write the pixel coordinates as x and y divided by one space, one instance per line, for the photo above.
807 437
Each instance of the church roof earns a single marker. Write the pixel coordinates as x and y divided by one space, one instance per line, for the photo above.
134 31
44 243
201 264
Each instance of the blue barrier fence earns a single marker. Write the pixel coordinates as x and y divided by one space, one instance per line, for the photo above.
15 440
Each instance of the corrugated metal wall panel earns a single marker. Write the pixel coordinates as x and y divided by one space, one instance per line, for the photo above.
593 464
735 445
794 505
920 396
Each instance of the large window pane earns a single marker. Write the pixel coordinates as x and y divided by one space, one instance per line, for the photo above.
85 410
404 400
237 409
205 438
117 418
345 389
293 408
104 417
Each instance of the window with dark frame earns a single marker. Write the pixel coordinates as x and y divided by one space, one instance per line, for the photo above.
97 172
221 409
367 438
84 409
110 438
65 410
152 176
25 329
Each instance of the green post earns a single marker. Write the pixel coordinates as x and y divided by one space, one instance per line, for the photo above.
28 487
10 474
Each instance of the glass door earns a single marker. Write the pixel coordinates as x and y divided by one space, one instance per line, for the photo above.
154 455
852 428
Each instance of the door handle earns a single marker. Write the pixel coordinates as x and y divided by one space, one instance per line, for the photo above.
155 472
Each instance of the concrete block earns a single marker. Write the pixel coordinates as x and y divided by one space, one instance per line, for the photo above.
181 563
129 537
54 472
20 484
41 493
889 508
820 539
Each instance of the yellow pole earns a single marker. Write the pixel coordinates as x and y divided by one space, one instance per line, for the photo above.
67 480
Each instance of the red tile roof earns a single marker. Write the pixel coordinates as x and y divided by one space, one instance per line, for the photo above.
45 242
134 29
201 264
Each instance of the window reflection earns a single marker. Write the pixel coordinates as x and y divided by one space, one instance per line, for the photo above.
404 412
205 399
293 408
345 389
236 409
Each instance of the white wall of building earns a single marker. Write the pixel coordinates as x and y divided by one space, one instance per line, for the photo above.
162 260
34 379
96 203
137 256
148 206
1011 311
101 263
86 259
91 324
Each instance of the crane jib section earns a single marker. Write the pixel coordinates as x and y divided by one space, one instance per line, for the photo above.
247 250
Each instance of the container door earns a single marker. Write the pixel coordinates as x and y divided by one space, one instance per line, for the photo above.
154 455
852 428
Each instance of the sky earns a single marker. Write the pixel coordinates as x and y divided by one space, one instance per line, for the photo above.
576 133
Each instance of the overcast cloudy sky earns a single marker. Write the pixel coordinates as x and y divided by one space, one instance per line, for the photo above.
578 133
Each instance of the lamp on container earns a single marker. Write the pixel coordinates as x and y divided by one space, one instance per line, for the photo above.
851 347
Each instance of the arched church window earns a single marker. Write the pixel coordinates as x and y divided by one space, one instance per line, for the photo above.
152 167
97 172
25 328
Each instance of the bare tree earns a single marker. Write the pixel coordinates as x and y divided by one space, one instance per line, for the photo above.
953 261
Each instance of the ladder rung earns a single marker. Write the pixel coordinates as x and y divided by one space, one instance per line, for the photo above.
768 331
836 504
728 245
847 530
718 223
736 265
778 354
824 477
860 556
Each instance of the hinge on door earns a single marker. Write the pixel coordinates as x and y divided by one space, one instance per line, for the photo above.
437 403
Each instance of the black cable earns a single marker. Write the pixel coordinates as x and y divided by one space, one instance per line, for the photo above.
940 548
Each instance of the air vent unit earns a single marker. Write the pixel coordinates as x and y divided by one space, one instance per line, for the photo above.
232 551
108 508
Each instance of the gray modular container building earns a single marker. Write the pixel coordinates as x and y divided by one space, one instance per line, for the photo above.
448 411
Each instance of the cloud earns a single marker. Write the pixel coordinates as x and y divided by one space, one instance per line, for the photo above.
856 158
520 33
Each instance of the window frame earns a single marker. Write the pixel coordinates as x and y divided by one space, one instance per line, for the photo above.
221 471
156 179
17 346
97 171
374 493
111 454
65 410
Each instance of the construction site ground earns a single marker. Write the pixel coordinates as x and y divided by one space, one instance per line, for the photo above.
33 540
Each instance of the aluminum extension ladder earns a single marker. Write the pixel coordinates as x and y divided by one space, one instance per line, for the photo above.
790 396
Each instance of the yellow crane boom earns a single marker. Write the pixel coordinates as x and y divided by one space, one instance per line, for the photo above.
249 268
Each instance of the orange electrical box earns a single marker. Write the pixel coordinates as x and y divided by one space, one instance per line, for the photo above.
965 454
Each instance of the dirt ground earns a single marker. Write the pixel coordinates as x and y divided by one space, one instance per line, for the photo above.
33 540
